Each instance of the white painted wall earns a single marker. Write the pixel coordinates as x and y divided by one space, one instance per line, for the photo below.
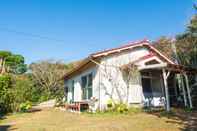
108 80
109 66
77 84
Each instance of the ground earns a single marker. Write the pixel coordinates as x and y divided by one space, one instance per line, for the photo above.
57 120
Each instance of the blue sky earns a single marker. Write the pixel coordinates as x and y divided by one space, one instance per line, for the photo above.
71 29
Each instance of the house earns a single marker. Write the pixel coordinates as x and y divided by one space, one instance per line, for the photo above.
136 74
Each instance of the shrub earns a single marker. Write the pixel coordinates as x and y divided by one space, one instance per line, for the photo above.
121 108
188 110
134 110
23 90
24 107
109 104
59 96
6 97
116 107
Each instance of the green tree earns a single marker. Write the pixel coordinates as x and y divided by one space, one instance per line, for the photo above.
187 43
11 63
24 91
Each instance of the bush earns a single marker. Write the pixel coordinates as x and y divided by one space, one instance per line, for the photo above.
134 110
24 107
59 97
6 97
116 107
109 104
188 110
121 108
23 90
15 90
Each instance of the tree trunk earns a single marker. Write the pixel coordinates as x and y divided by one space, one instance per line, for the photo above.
3 67
1 62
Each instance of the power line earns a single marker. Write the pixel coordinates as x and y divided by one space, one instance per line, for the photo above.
30 35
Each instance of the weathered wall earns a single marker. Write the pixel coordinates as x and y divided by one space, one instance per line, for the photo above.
77 84
113 84
109 82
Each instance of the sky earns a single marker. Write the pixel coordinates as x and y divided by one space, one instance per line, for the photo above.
70 30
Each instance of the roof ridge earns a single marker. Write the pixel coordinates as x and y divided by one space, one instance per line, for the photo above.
132 43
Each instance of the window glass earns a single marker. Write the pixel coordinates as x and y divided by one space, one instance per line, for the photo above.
89 93
86 83
90 80
72 89
146 83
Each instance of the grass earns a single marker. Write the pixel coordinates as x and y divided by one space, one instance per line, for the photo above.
57 120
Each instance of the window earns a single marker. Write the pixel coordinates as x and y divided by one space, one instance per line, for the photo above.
66 92
146 84
72 89
152 62
86 83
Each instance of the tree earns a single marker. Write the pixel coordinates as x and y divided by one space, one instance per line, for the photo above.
187 51
187 43
164 45
23 90
3 56
11 63
48 75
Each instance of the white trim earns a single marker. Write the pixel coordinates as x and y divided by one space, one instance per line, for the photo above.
154 66
153 48
117 50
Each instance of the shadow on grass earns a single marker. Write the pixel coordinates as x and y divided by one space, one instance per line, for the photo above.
2 117
187 118
33 110
4 127
8 126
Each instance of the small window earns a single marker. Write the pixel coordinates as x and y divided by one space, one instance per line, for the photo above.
152 62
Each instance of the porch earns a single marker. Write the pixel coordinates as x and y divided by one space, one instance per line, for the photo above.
163 84
166 85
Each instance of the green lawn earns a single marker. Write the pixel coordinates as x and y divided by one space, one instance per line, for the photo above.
57 120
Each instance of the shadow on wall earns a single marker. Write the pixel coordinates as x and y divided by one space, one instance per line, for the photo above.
115 91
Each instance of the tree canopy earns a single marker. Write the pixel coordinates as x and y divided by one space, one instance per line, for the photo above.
185 51
12 63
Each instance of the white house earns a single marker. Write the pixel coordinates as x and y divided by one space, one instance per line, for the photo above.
135 74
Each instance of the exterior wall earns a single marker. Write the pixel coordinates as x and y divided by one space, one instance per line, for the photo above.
109 82
113 83
77 85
